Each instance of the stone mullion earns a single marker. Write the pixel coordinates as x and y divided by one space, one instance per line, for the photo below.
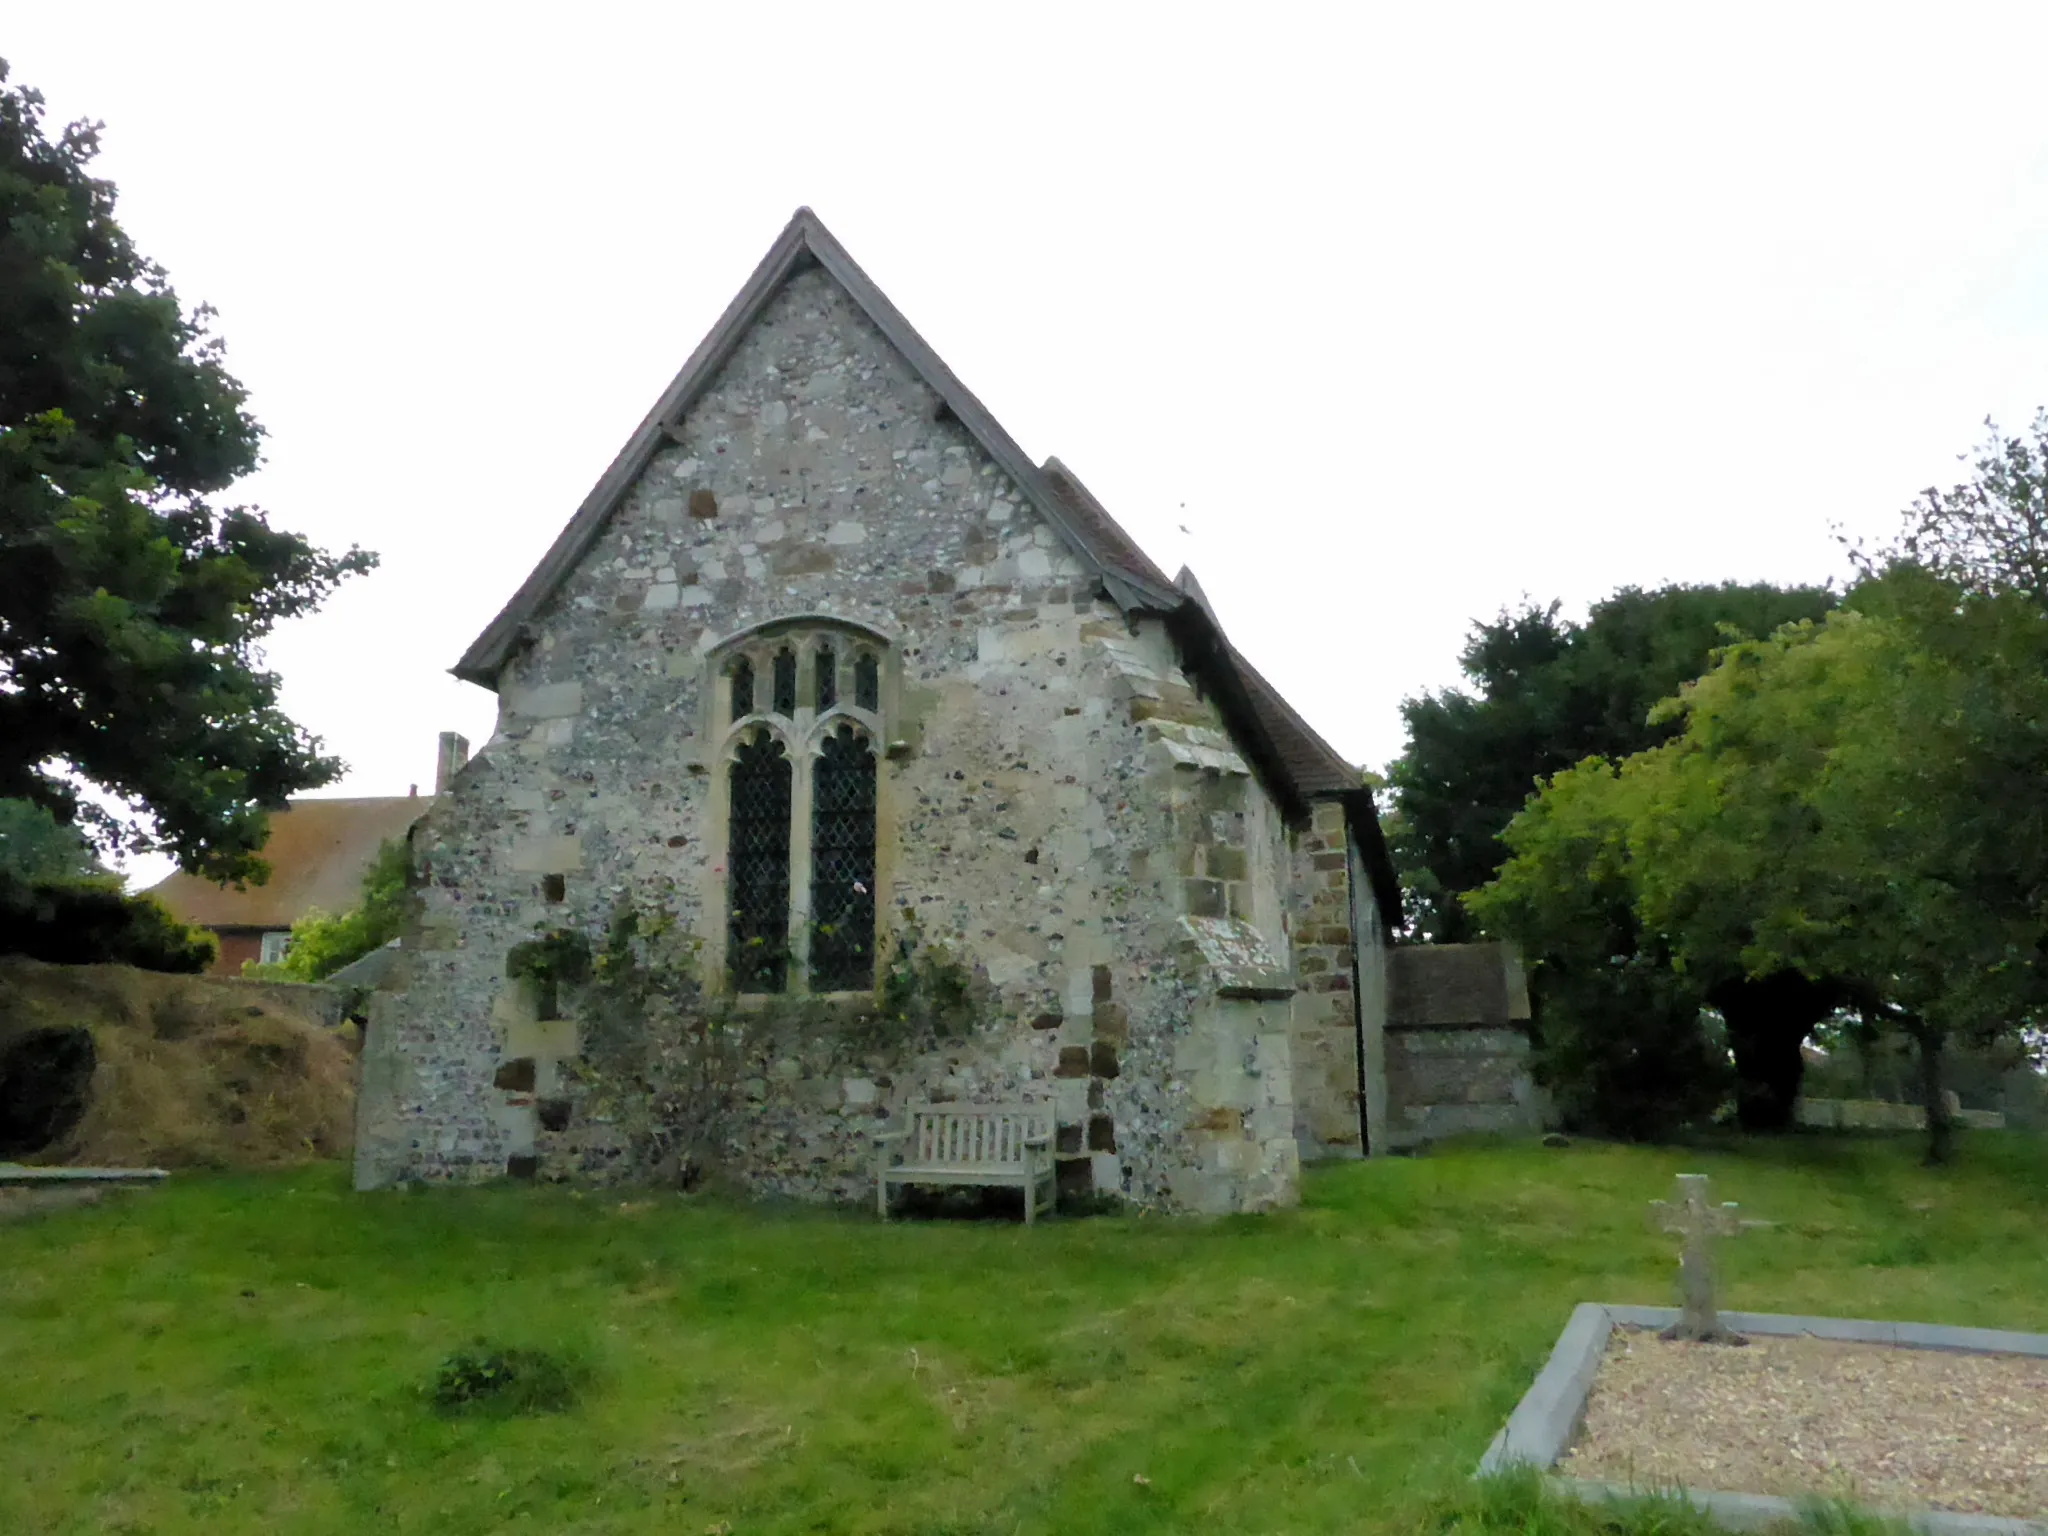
801 797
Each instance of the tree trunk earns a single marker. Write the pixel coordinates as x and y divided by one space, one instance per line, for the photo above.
1768 1070
1769 1018
1941 1131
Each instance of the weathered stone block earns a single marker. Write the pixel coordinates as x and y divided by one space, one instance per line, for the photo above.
1073 1062
1070 1100
1102 1059
1226 863
1112 1023
515 1076
560 855
1204 898
550 1039
545 701
1101 1134
801 560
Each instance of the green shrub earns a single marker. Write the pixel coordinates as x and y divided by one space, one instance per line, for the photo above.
322 942
93 922
488 1378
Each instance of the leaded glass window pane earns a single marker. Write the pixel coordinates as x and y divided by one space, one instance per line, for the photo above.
828 677
757 867
867 682
843 865
785 681
742 688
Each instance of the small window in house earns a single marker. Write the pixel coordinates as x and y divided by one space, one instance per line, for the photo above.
276 946
785 682
742 688
828 678
867 682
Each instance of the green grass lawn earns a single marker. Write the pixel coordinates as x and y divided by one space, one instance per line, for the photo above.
233 1354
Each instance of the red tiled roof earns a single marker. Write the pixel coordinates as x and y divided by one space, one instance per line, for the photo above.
318 852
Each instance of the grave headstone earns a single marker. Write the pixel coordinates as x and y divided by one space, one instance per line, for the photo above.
1692 1215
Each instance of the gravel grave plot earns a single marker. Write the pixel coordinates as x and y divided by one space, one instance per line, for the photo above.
1894 1428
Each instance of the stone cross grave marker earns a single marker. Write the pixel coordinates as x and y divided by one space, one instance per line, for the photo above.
1699 1222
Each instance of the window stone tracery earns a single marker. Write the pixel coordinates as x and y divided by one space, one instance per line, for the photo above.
801 805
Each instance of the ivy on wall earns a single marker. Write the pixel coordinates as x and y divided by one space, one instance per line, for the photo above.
668 1062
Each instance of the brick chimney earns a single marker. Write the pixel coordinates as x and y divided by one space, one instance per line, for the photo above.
453 753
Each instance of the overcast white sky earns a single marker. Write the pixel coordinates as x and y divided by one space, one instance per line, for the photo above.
1403 310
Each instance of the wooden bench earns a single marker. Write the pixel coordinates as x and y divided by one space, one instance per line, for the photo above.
987 1144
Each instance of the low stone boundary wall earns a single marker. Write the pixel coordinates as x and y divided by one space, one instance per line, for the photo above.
1881 1115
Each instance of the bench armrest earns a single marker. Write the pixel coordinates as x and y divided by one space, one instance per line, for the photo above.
1038 1141
891 1135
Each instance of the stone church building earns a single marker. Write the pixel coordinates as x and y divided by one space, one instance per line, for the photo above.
823 655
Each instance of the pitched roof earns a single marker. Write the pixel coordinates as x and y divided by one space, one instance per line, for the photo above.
1304 766
1101 547
1292 752
318 852
1113 547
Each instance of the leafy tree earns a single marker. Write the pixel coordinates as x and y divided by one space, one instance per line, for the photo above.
1851 815
1544 694
1860 800
131 604
323 944
1988 534
1472 759
1624 1044
34 846
58 905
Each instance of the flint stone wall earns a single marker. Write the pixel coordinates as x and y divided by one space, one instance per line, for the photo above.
1456 1044
1054 799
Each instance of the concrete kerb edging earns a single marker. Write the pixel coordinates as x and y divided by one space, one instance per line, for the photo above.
1550 1412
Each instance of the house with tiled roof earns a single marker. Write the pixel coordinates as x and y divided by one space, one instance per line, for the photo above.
319 849
829 671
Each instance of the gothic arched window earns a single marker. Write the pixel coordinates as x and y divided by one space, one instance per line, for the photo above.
843 863
757 862
801 794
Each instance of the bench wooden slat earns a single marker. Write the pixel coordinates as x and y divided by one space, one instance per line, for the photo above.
989 1144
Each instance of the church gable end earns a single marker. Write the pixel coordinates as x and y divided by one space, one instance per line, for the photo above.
826 667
